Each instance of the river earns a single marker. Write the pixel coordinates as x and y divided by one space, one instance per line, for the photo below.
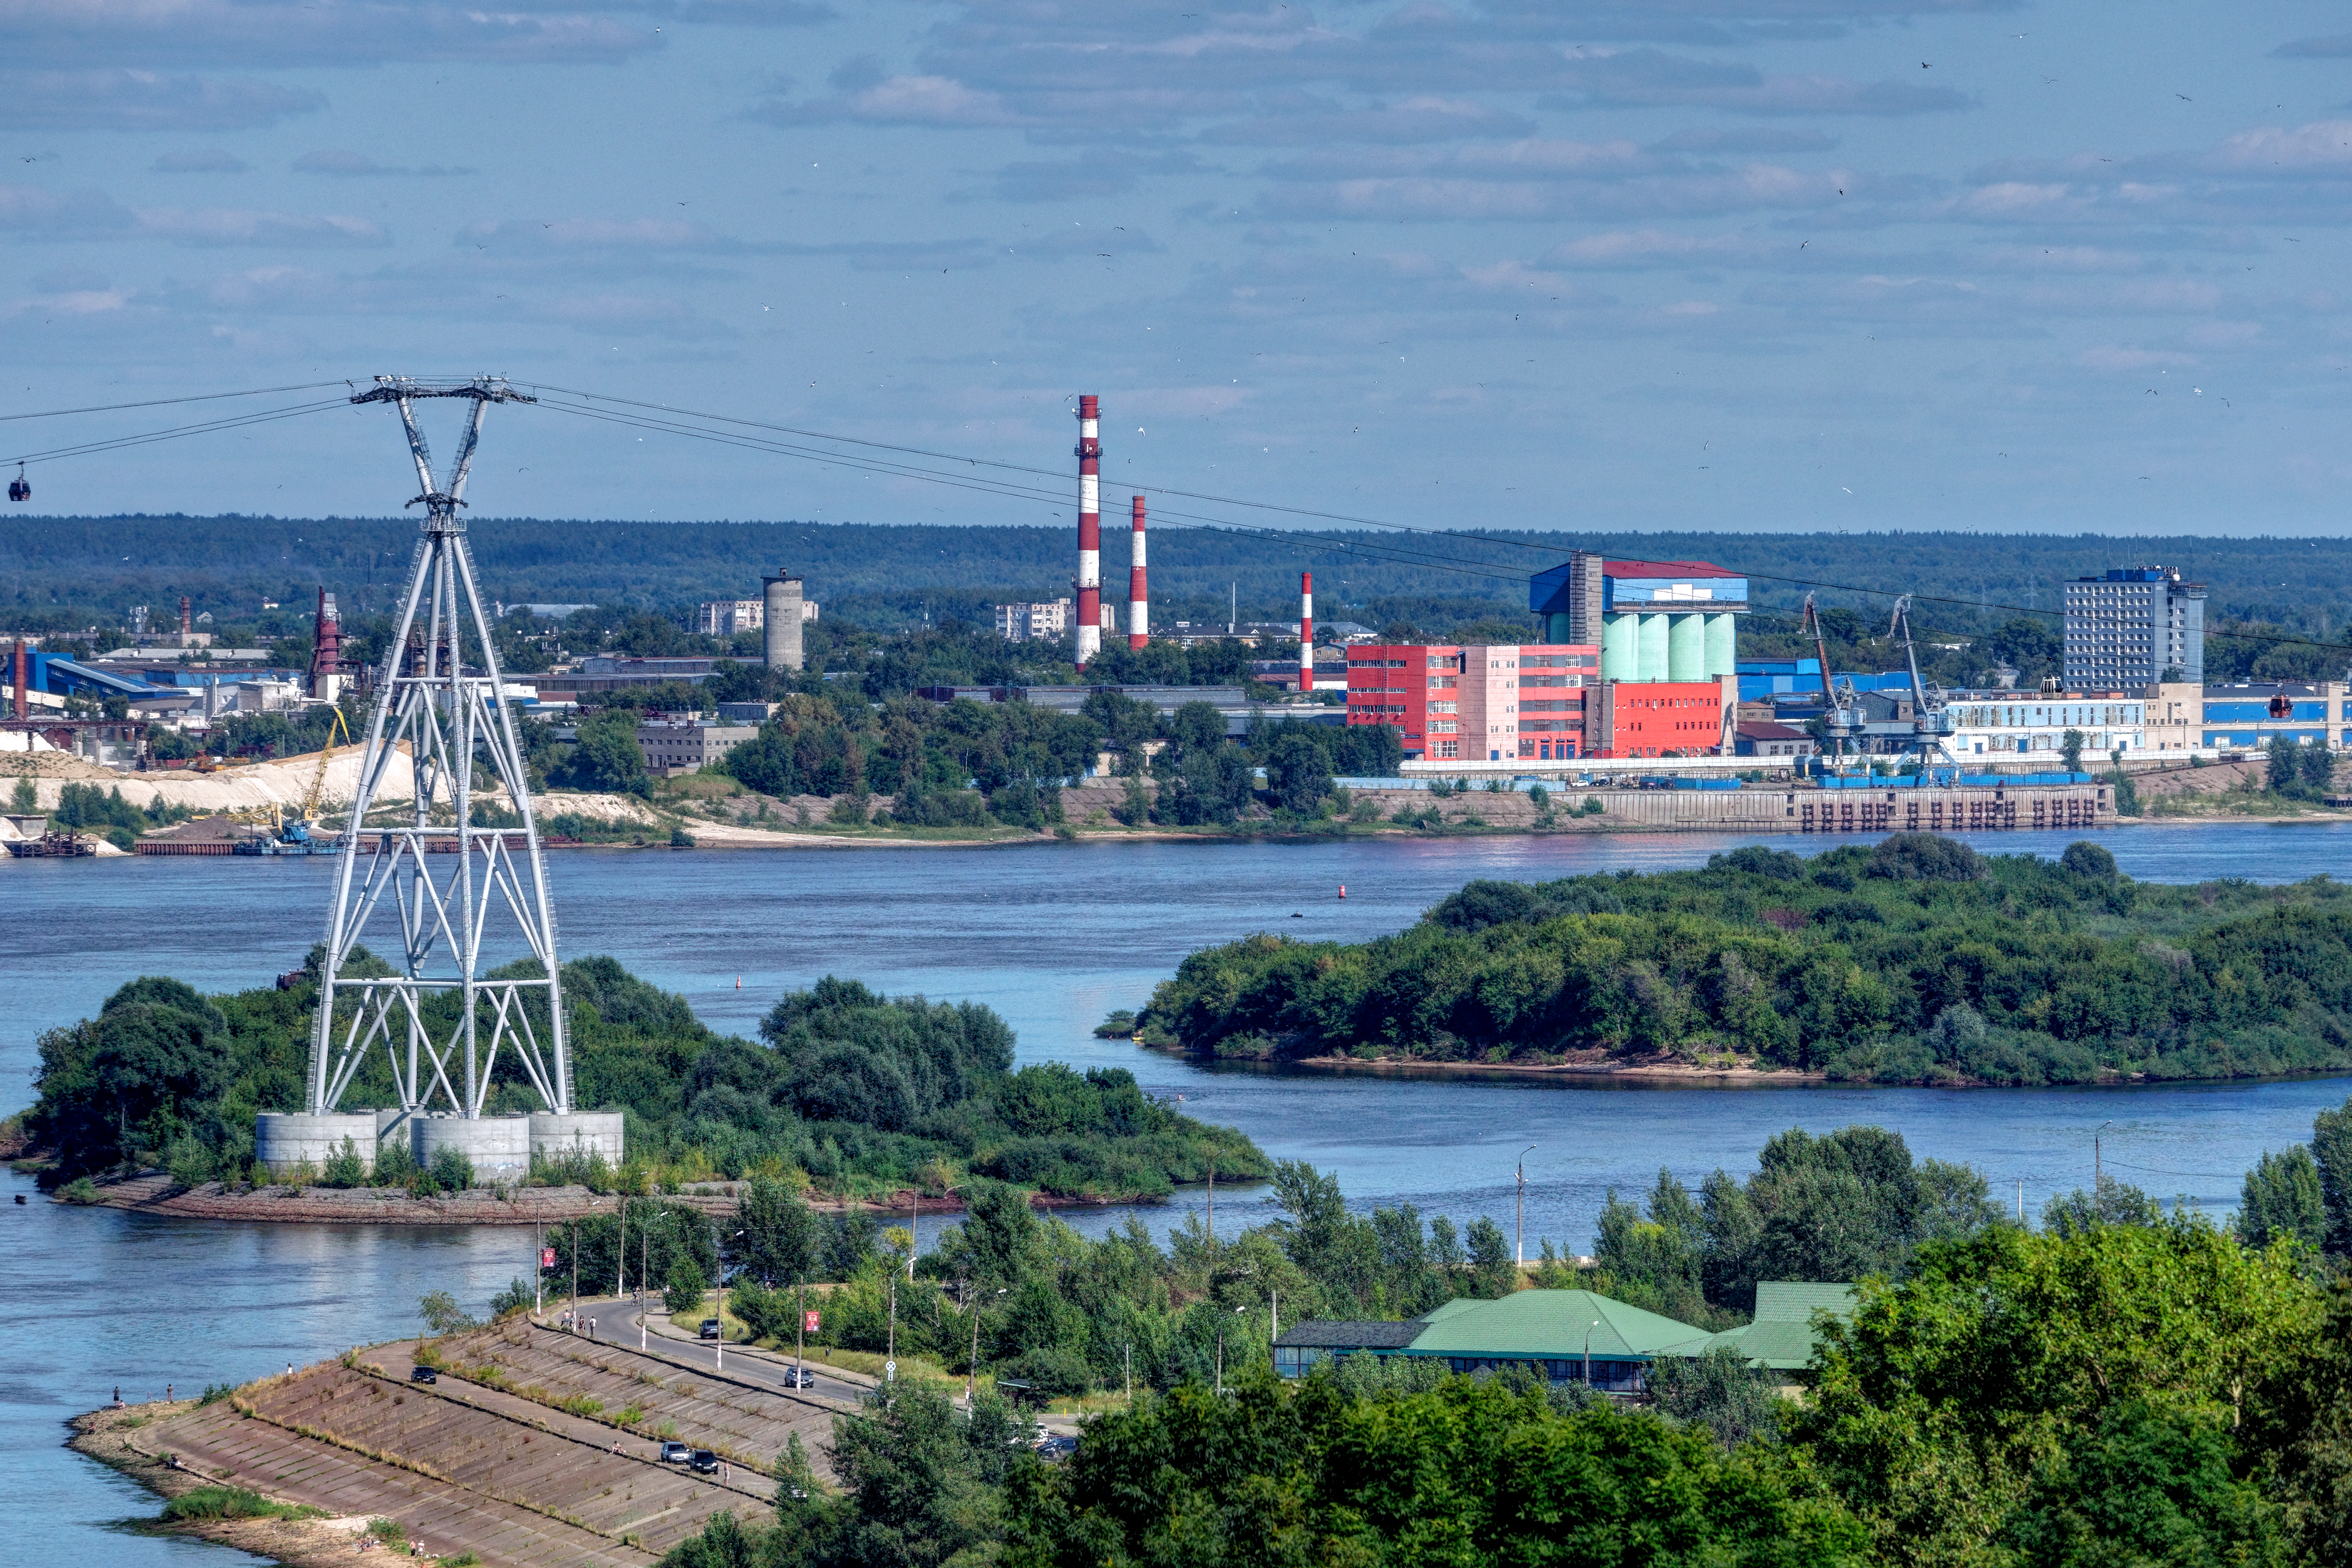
1053 937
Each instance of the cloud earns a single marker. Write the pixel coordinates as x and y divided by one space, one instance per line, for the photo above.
1540 177
355 165
213 161
70 280
1424 119
1650 79
1745 138
755 13
143 101
1104 174
899 101
1640 249
2323 147
2111 356
33 213
596 234
248 226
277 34
36 212
2336 48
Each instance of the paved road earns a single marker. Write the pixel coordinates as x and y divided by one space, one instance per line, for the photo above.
617 1323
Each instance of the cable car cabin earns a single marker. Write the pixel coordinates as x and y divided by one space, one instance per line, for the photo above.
18 489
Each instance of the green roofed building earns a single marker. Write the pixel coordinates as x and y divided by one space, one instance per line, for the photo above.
1781 1338
1570 1336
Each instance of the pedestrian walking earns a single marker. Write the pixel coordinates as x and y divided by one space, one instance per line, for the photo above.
117 1394
167 1394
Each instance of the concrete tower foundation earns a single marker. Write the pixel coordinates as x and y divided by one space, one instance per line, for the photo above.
498 1147
285 1140
553 1136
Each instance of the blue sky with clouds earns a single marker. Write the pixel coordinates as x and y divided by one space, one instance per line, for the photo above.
1682 263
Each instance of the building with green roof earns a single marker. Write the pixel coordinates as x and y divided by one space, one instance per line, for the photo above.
1571 1336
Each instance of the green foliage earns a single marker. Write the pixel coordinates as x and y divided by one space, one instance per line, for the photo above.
450 1170
518 1296
1718 1391
2038 1383
346 1167
2282 1201
1834 1207
1916 959
1471 1473
605 758
847 1089
2112 1202
442 1314
686 1285
233 1502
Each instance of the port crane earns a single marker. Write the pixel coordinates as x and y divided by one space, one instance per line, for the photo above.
1841 710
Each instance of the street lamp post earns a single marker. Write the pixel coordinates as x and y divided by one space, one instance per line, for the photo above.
1588 1351
1523 1204
2098 1165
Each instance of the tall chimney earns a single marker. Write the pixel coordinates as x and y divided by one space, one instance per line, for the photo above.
327 650
780 618
1138 598
1306 631
187 621
1088 640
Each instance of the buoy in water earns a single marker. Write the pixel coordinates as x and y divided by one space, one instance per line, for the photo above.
738 983
1343 890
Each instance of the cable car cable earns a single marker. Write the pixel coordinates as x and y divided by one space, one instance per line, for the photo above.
161 402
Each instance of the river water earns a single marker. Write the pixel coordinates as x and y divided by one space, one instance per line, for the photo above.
1053 937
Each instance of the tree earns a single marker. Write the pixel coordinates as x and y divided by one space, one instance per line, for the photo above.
779 1240
606 758
2331 1150
1719 1391
1946 1398
442 1314
686 1285
2113 1203
1298 772
2069 749
2147 1485
2283 1201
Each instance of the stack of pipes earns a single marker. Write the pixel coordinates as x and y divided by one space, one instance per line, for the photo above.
1138 600
1087 641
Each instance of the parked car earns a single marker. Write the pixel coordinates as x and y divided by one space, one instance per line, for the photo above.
423 1374
676 1453
1057 1445
704 1463
710 1328
798 1377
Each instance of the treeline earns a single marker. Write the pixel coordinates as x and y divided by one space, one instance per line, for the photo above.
846 1092
966 763
1914 960
71 570
2116 1388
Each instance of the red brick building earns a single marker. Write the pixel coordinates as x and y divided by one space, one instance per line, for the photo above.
1500 702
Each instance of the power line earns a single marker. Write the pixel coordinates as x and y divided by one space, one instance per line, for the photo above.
162 402
89 448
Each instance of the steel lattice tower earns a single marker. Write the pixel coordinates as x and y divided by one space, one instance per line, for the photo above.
458 736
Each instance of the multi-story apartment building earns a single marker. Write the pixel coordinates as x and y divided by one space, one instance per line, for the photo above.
1041 622
2133 627
725 617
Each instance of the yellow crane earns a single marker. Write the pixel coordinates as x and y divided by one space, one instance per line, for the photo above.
318 779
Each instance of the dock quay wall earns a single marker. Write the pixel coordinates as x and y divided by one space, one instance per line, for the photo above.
1895 810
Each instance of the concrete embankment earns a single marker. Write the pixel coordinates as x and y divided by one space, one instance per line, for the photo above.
534 1447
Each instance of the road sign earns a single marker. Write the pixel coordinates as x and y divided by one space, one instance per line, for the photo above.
812 1317
547 1258
890 1371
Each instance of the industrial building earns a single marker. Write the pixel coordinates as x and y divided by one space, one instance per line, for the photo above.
676 746
1652 620
1490 702
2133 627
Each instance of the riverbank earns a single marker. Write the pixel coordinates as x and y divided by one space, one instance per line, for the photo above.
155 1193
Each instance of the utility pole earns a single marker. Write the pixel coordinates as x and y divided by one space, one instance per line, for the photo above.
800 1338
1523 1204
2098 1164
1131 1375
575 1276
890 1356
621 1255
537 1271
645 1298
1212 1201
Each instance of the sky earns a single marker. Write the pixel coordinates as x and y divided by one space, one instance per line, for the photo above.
1777 264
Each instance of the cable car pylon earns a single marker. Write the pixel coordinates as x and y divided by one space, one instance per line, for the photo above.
451 926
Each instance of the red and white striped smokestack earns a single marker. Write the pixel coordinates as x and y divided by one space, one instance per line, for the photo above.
1089 630
1138 598
1306 631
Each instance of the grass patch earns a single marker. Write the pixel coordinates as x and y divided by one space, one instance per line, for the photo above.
233 1502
